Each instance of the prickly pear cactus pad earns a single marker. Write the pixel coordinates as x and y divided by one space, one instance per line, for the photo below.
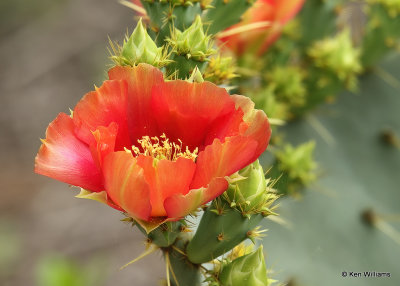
327 230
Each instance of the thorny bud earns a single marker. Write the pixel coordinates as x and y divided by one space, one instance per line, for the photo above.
193 42
220 70
249 270
297 163
287 83
266 100
249 191
139 48
338 56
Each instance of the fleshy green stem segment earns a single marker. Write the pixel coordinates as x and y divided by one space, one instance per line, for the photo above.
221 229
182 271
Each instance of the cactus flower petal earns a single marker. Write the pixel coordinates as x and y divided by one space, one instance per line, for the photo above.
180 205
159 149
141 80
64 157
277 12
187 110
103 142
100 108
220 159
126 185
166 178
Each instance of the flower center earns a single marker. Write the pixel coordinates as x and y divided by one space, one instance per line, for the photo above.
162 148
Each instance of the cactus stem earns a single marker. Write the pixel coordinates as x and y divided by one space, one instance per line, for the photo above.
178 250
143 255
169 268
221 236
256 233
219 208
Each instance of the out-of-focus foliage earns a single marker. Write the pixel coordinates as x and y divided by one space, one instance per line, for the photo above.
13 13
55 270
324 233
10 248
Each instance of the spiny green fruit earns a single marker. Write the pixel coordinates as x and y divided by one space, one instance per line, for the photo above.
139 48
287 82
249 191
296 165
221 228
192 43
338 56
249 270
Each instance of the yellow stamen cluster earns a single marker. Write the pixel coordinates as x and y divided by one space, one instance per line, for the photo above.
161 148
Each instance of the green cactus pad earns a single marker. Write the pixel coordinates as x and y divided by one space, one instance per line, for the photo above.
225 14
221 228
325 234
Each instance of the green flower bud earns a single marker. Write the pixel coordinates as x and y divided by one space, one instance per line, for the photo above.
139 48
338 56
266 100
287 83
249 270
220 70
248 191
297 166
193 42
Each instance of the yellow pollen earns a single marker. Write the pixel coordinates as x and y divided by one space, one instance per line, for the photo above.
161 148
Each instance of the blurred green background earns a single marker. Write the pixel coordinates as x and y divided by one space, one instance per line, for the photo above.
52 52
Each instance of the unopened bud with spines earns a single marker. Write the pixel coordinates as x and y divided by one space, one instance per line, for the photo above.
249 192
296 166
339 57
139 48
287 83
220 70
192 42
249 270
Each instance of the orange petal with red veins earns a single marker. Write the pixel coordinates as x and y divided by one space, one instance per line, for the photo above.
223 159
64 157
187 111
140 79
256 124
178 206
100 108
125 184
166 178
103 142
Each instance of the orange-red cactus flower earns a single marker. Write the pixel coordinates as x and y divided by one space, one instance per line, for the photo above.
257 40
159 149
